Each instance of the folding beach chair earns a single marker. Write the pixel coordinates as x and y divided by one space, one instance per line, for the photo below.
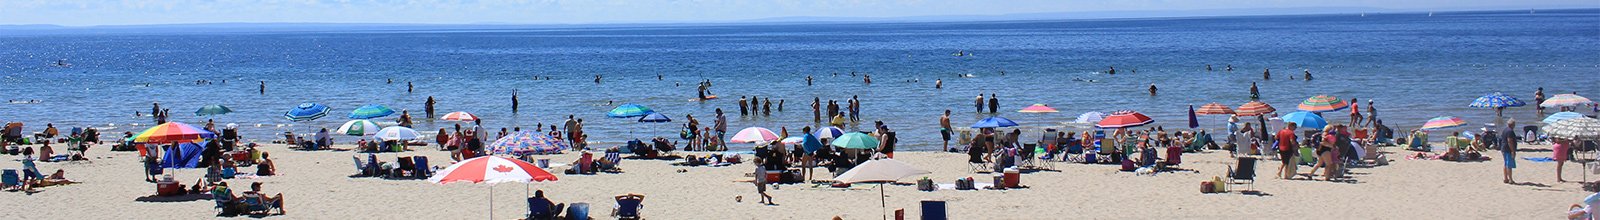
628 206
933 210
1244 174
421 170
578 211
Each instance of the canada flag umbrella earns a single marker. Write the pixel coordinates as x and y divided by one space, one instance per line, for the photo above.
491 169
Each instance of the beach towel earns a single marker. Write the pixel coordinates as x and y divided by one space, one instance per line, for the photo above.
1540 159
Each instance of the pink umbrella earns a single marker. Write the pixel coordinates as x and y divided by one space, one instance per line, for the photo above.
753 135
1038 108
459 116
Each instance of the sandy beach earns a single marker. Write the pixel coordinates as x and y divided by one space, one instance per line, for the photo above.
317 186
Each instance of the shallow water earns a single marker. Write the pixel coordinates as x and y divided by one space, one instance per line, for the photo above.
1414 66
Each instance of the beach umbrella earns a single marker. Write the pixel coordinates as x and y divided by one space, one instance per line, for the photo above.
629 111
1323 103
1560 100
1582 128
1305 119
793 140
1193 121
371 111
1558 116
655 117
1125 119
1090 117
306 112
459 116
754 135
210 110
396 133
994 122
1214 109
491 170
173 132
1037 108
829 132
358 128
1498 102
1443 122
1255 108
856 140
527 142
880 171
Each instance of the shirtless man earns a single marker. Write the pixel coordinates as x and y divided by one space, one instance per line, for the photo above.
944 129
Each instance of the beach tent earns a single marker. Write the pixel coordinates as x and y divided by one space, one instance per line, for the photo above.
880 171
186 155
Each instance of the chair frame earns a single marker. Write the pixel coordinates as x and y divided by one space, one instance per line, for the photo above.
1235 172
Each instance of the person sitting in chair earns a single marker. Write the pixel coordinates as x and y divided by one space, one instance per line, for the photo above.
540 207
270 201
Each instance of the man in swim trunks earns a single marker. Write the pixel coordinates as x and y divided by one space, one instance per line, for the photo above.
1508 148
944 129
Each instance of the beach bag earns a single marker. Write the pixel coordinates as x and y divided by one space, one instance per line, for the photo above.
1127 165
1217 186
925 184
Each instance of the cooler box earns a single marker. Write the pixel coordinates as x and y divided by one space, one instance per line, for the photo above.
1013 178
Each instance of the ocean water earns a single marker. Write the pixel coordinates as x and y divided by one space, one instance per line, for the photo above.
1415 66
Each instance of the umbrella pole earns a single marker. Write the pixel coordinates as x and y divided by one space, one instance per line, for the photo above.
883 205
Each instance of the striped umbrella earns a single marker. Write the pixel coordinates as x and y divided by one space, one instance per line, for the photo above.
1255 108
459 116
1038 108
1496 100
1090 118
371 111
1566 100
629 111
358 128
396 133
829 132
491 169
856 140
527 142
1443 122
1125 119
655 117
1558 116
1305 119
1214 109
1582 128
210 110
754 135
171 132
994 122
307 112
1323 103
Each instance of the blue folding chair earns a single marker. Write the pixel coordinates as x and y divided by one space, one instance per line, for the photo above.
933 210
628 206
9 179
578 211
421 171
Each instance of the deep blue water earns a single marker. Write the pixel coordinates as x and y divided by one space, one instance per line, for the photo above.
1416 66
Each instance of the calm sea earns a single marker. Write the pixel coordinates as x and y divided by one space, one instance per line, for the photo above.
1415 66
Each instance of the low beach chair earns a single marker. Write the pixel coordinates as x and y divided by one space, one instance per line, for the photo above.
361 170
1244 174
933 210
1026 153
224 200
406 168
420 168
254 205
9 180
1308 156
1174 157
628 206
578 211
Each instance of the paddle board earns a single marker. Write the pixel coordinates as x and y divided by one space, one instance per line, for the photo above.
709 97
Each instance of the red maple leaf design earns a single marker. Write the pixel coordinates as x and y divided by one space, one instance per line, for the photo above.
502 169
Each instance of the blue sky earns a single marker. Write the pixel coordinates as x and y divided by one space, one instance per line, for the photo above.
121 12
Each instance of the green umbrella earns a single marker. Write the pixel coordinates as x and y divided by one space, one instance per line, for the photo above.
856 140
210 110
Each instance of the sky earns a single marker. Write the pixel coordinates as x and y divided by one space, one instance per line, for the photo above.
132 12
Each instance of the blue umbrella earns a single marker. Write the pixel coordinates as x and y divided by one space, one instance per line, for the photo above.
1306 119
210 110
1496 100
655 117
1553 118
629 111
370 112
307 112
186 155
994 122
829 132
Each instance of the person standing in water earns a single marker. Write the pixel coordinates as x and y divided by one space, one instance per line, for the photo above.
780 105
1355 113
1266 74
1538 100
808 80
514 102
944 129
1112 70
866 78
596 79
978 103
1152 89
1255 94
766 107
1230 68
1308 76
938 83
428 106
994 103
263 87
1208 67
744 106
816 109
833 108
855 108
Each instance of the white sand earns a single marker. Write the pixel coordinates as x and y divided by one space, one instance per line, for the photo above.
317 187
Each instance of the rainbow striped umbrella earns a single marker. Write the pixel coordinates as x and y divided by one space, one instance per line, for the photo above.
1038 108
171 132
527 142
1323 103
1443 122
1566 100
1214 109
1254 108
1496 100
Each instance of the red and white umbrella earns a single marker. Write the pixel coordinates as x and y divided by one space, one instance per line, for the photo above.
753 135
1123 119
491 169
459 116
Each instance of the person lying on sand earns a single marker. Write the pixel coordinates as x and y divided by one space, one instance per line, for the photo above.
57 178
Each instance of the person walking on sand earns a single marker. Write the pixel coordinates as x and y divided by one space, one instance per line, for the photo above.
428 106
1266 74
944 129
994 104
978 103
1508 148
1287 151
721 124
744 106
816 109
761 181
1152 89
